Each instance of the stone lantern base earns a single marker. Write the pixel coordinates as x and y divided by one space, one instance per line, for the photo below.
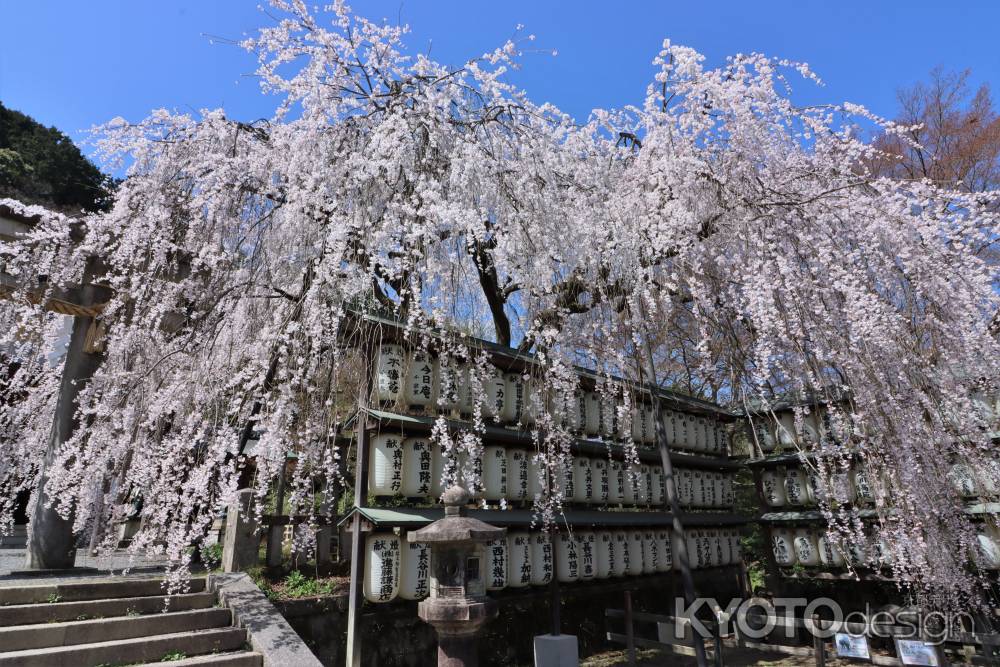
457 622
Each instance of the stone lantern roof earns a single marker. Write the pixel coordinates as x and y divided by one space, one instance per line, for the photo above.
456 526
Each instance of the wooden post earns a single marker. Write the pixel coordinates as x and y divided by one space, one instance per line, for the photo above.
629 630
819 649
356 593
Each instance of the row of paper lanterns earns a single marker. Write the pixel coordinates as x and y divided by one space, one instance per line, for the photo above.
396 568
413 467
417 379
793 486
813 548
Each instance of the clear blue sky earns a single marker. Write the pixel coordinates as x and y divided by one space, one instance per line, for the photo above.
74 64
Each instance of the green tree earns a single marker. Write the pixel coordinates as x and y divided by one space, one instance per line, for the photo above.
42 165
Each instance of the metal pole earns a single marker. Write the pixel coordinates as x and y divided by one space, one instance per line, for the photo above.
818 648
356 593
555 600
675 508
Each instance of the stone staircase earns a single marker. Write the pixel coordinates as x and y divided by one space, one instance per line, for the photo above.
117 621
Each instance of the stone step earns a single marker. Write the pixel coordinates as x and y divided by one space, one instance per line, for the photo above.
74 591
45 635
27 614
130 651
237 659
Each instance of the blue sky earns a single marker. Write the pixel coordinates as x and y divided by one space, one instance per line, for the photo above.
76 64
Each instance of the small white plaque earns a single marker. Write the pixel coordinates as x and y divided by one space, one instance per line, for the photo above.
851 646
916 652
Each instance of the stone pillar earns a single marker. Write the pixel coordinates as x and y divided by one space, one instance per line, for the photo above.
239 550
51 543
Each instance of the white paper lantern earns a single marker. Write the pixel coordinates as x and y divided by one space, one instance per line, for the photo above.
579 412
681 430
583 480
419 388
631 482
518 559
468 394
568 558
786 430
988 547
843 487
568 477
390 373
385 466
700 434
665 550
634 565
669 418
728 490
783 545
644 486
604 554
494 393
764 435
536 481
863 488
685 486
620 554
692 541
722 439
698 497
710 537
772 486
496 564
601 480
495 477
806 548
724 549
650 551
636 428
592 413
586 552
648 424
735 550
448 388
418 467
437 472
987 477
517 475
382 556
414 570
516 399
541 559
963 480
657 495
705 550
829 554
795 486
616 477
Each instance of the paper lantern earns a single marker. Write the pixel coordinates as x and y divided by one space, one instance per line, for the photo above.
806 549
536 482
619 563
648 424
578 412
692 541
772 486
517 475
829 554
631 474
988 547
636 427
567 473
516 399
782 543
418 467
722 439
494 393
414 570
448 388
650 551
616 477
382 556
705 549
437 471
586 552
583 480
644 485
390 373
495 477
496 564
795 486
764 435
735 550
604 554
541 559
568 558
592 413
685 486
419 388
665 559
843 487
634 565
668 417
863 487
657 492
681 431
518 559
963 480
385 465
700 440
601 480
786 430
698 497
720 489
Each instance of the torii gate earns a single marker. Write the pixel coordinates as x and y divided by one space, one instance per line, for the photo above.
51 544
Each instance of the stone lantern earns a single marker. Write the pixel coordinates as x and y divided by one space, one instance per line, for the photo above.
457 606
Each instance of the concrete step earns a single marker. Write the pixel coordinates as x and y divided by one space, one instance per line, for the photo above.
94 589
27 614
237 659
129 651
45 635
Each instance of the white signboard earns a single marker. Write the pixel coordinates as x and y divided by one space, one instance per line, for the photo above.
915 652
851 646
